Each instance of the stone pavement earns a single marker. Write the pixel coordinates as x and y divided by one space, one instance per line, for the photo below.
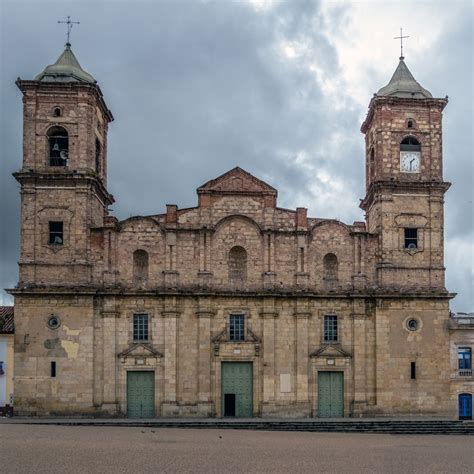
86 449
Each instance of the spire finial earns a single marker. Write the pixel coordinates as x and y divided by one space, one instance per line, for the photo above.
69 24
401 37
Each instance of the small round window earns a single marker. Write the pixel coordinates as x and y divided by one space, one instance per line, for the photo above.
412 324
53 322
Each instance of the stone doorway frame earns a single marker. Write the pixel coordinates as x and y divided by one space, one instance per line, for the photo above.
134 359
331 358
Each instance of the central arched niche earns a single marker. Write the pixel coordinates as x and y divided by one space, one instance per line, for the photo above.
140 267
331 256
237 265
237 252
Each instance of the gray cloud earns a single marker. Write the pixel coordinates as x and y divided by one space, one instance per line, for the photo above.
197 88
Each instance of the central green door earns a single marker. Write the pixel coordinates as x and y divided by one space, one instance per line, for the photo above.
237 391
330 394
141 394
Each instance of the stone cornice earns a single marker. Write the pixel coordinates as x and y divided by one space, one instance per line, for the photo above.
66 178
392 185
380 293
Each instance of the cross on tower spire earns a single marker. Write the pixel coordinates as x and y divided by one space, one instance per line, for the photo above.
69 24
401 42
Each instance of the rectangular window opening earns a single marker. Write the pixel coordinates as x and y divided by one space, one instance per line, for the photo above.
413 370
411 238
465 358
330 328
56 236
237 327
140 327
53 369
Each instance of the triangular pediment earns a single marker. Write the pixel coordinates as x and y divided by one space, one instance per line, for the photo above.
330 350
140 350
237 181
223 336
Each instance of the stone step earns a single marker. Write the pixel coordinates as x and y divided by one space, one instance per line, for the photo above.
454 427
348 427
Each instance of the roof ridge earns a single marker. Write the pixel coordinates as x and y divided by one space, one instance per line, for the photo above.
212 182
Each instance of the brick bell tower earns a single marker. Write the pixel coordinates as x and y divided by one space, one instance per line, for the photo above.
64 174
405 189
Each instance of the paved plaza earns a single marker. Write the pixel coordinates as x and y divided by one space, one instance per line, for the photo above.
90 449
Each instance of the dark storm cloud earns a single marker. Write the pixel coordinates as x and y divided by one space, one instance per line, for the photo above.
197 88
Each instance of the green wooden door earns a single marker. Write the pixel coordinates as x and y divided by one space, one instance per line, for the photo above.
236 379
330 394
140 394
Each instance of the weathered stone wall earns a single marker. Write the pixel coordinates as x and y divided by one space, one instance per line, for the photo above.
293 270
88 343
396 200
389 125
397 347
72 194
71 346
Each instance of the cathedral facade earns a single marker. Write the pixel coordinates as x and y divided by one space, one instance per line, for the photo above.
235 307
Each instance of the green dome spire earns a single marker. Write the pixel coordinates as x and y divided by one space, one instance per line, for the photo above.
65 69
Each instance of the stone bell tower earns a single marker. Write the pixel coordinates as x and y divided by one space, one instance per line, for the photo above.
64 173
404 201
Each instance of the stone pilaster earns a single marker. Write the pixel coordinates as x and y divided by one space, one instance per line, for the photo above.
302 315
269 315
204 315
109 402
98 357
205 274
359 356
170 324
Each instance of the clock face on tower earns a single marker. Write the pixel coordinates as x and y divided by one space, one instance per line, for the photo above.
410 161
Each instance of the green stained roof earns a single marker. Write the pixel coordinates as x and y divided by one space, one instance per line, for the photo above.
404 85
65 69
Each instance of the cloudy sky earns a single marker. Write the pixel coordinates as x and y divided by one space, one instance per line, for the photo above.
278 88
